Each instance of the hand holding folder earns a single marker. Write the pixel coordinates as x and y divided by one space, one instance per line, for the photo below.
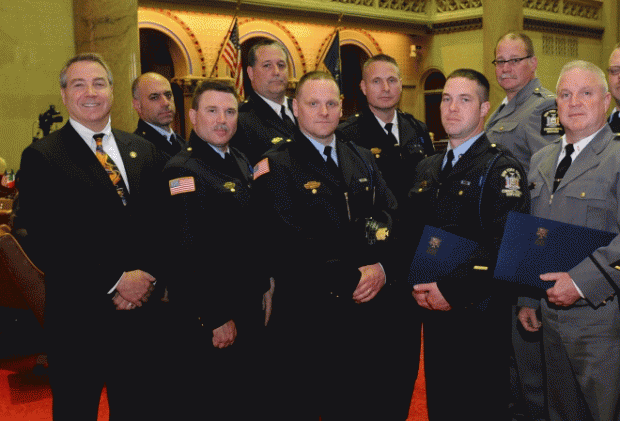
532 246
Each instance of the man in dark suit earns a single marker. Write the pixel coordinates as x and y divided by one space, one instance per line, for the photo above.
397 140
266 118
468 191
218 288
154 103
86 195
315 197
614 88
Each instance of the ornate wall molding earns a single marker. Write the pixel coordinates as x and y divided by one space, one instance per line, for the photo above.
443 6
455 26
562 28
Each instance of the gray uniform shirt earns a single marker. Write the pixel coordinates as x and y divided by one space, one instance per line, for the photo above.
527 123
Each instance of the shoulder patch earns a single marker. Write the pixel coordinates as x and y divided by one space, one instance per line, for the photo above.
181 185
261 168
512 179
550 123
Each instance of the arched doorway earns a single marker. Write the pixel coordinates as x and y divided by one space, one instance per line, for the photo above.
433 87
352 58
156 55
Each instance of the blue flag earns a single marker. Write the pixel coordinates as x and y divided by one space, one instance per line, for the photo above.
332 60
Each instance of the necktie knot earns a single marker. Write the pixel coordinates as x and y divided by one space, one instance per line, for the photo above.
447 168
327 152
98 138
388 128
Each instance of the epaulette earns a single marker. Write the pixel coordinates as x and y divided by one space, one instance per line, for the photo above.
280 140
350 121
279 144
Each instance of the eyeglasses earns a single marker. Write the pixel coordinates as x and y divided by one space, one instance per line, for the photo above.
614 70
512 61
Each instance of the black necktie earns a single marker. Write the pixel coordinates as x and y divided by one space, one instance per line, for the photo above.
331 165
231 167
287 120
176 140
563 167
448 167
614 122
390 136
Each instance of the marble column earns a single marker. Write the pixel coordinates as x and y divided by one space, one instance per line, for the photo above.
110 28
498 17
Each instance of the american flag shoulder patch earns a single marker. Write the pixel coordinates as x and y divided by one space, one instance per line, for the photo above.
261 168
182 185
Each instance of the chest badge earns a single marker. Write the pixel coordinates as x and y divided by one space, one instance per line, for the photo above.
229 185
313 186
376 152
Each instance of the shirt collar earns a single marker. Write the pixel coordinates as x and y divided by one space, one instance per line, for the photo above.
274 105
161 130
321 147
460 150
582 143
87 134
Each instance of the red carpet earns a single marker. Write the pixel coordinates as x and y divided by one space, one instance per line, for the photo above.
25 397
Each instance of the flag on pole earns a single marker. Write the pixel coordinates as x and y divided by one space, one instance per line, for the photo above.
332 60
232 57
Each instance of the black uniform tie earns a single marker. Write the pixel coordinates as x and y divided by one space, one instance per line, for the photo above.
448 167
563 167
331 165
390 136
287 120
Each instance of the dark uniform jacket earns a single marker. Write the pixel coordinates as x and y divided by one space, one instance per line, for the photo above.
257 127
211 233
314 222
473 202
153 136
397 162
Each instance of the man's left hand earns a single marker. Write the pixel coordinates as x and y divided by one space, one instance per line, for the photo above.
371 282
563 293
429 297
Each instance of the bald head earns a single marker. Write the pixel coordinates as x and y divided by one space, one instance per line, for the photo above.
153 99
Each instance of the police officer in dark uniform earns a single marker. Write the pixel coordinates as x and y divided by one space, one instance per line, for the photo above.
266 117
469 192
325 221
397 140
154 103
398 143
216 285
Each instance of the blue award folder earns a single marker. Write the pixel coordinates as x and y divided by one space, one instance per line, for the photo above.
532 246
438 254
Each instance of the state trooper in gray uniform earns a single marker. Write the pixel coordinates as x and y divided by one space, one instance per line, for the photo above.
526 121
